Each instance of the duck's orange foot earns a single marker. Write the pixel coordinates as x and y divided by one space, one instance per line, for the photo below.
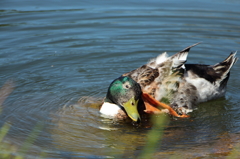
184 116
151 109
150 102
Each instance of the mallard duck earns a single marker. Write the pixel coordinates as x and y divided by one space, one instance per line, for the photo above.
166 84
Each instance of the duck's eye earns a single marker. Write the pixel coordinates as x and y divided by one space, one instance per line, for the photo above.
127 85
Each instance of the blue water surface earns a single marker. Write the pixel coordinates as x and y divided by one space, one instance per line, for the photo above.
60 57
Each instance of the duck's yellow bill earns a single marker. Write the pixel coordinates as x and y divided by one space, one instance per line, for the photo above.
131 109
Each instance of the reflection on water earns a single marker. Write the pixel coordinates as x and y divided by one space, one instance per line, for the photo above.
205 133
60 53
81 124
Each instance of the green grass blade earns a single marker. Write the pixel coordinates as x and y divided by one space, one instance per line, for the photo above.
4 130
154 136
30 139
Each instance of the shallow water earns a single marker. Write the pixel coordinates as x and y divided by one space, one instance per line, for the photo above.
62 56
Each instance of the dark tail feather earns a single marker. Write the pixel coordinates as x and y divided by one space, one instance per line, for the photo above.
223 68
181 56
187 49
231 58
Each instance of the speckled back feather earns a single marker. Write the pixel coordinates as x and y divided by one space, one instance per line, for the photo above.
183 86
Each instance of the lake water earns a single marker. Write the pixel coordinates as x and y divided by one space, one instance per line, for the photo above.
61 56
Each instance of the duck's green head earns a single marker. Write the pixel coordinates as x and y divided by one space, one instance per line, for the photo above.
124 91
